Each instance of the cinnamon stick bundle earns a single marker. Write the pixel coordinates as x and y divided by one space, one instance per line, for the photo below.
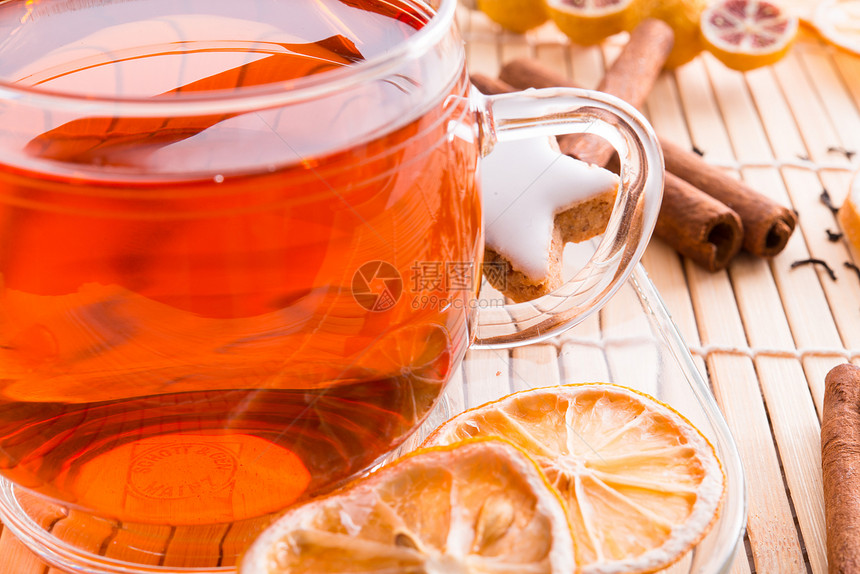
767 225
840 465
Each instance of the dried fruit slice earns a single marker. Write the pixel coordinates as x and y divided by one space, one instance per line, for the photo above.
641 484
588 22
747 34
683 17
838 22
481 506
515 15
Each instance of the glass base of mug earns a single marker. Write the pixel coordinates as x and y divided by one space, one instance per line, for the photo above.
76 541
33 520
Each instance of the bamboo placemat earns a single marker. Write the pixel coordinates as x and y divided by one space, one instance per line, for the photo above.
762 333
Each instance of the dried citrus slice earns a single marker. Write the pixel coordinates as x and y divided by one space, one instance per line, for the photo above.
747 34
640 483
588 22
481 506
683 17
515 15
838 22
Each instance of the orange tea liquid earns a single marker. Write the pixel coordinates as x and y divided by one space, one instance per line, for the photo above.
183 336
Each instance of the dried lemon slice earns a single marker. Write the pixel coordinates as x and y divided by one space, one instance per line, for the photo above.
481 506
838 22
748 34
641 484
588 22
515 15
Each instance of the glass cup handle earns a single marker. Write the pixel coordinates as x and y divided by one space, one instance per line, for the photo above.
555 111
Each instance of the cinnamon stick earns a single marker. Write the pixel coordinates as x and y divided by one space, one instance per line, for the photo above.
840 465
697 225
631 78
489 85
767 225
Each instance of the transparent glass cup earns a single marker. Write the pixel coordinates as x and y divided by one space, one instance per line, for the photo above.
221 300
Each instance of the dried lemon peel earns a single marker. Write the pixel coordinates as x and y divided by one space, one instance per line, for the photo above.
480 506
626 466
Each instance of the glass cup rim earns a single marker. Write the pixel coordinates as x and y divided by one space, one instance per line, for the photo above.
255 97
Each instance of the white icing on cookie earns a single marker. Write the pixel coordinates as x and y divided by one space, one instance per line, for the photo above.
525 184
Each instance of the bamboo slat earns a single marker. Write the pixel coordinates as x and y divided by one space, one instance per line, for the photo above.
88 533
581 358
487 375
795 426
534 366
15 558
142 544
713 301
633 362
774 542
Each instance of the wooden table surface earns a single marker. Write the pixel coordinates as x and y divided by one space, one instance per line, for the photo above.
762 333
